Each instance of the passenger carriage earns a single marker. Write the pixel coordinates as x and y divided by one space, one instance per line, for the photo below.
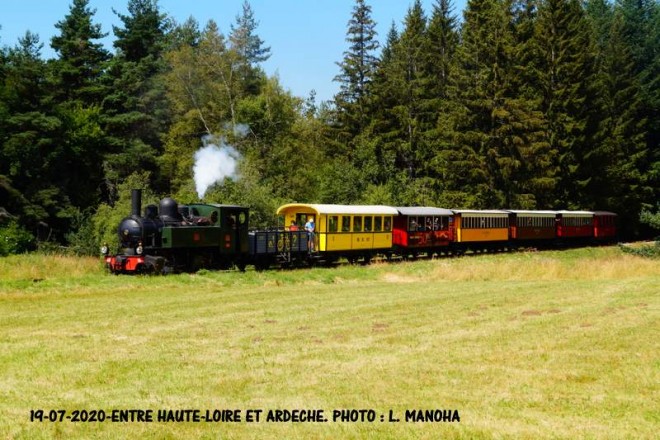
575 225
604 226
422 229
358 231
533 227
480 230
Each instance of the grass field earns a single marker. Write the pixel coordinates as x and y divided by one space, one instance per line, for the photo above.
557 344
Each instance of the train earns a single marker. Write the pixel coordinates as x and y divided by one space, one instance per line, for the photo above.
186 238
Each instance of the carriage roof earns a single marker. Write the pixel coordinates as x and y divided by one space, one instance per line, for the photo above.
321 209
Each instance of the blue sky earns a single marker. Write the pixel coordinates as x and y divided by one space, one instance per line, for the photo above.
306 37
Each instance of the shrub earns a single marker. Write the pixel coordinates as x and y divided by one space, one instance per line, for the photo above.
14 239
647 251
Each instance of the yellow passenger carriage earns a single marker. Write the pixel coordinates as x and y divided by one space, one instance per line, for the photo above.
341 230
481 229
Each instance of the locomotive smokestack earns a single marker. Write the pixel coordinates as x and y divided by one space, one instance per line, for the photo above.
136 202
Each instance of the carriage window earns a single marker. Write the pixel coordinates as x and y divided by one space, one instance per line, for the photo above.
346 223
378 223
387 224
357 223
333 223
439 223
412 223
367 223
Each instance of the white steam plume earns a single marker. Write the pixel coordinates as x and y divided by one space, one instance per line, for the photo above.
213 164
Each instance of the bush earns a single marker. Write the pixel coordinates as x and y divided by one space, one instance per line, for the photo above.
83 240
101 227
14 239
647 251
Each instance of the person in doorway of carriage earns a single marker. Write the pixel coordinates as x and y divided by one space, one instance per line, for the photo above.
310 228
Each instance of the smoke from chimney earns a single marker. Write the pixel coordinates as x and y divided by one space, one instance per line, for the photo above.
214 163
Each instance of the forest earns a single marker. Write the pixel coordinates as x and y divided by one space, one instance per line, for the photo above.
518 104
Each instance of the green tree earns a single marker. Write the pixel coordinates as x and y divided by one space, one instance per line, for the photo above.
413 110
107 217
357 71
640 30
204 90
76 92
31 149
136 111
443 41
623 187
384 129
483 159
565 75
243 40
81 57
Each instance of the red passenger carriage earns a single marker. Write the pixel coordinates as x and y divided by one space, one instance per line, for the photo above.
423 229
575 224
604 226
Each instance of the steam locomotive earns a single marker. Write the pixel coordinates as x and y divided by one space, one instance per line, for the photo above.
172 237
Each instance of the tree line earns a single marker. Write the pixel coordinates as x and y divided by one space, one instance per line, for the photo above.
527 104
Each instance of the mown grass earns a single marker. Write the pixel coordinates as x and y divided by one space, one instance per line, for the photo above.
560 344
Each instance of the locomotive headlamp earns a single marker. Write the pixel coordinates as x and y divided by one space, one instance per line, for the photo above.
104 249
139 249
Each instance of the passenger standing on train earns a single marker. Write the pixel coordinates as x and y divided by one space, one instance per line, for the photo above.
309 227
294 226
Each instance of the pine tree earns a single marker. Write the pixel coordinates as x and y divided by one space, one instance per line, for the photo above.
136 112
650 83
143 32
357 72
244 40
443 41
32 149
564 74
413 111
184 34
623 186
76 93
640 31
600 14
537 176
383 127
81 60
479 161
251 51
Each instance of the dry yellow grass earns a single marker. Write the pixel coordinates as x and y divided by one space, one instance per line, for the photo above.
533 266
